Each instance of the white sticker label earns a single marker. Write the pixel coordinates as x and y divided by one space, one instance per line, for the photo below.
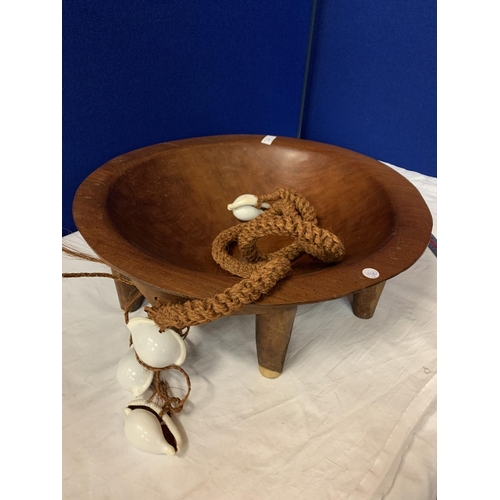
268 139
371 273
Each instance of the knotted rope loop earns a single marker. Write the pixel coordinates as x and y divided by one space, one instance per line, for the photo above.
289 215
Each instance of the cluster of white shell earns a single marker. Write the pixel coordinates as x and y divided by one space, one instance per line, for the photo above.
244 208
144 428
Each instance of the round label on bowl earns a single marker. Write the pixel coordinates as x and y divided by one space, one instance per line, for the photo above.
371 273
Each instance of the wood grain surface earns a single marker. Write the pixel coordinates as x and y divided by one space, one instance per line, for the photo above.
153 213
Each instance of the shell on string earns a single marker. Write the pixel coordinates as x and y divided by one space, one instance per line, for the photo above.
244 208
146 431
132 376
156 349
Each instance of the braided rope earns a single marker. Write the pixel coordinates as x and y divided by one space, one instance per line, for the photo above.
289 215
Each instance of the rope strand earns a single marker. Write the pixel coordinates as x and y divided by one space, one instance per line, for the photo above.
97 275
290 215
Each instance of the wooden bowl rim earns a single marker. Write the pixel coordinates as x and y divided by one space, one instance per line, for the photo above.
409 239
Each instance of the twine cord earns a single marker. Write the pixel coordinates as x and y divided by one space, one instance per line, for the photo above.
80 255
98 275
161 397
85 256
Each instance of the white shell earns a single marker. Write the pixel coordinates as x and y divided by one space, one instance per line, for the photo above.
132 376
143 430
246 213
244 208
154 348
244 199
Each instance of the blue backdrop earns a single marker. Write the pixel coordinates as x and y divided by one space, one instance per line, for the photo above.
372 85
139 73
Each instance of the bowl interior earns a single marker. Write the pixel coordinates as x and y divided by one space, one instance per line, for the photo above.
171 204
153 213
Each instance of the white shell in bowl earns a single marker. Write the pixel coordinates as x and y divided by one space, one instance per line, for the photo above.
154 348
246 213
145 432
244 199
244 208
132 376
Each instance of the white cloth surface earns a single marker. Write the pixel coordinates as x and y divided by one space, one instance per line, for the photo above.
353 416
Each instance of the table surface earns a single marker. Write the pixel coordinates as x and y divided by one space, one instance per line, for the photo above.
353 416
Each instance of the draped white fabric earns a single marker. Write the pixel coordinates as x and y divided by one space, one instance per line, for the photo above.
353 416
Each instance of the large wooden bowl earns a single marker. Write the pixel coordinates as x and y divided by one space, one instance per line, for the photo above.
153 213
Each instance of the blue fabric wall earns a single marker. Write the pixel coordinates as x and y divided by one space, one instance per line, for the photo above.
372 85
138 73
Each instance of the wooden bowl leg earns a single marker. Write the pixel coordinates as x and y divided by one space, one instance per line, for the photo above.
365 302
273 331
126 292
